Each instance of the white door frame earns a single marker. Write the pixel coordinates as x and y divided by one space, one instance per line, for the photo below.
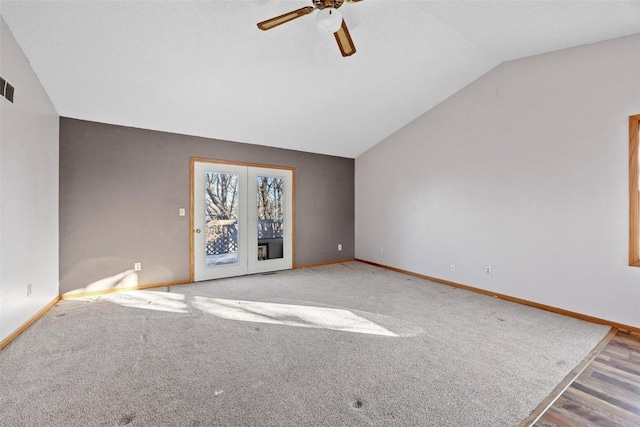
247 260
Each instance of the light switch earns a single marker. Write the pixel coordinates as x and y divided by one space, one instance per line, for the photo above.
181 212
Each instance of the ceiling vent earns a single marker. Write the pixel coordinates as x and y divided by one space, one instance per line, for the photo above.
6 89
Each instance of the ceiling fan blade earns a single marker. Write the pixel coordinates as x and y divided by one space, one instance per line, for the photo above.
345 43
282 19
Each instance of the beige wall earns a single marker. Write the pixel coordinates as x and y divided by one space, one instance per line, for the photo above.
525 171
28 191
121 188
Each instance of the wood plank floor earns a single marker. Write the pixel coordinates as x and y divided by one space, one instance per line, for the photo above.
606 393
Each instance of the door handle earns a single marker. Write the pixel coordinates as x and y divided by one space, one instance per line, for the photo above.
197 231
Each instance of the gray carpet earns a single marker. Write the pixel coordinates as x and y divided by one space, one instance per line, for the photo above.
341 345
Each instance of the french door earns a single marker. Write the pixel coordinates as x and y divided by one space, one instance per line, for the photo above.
242 219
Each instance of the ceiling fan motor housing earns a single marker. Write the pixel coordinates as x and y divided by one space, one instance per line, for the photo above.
321 4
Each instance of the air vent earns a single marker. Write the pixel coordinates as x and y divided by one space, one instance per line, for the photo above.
6 90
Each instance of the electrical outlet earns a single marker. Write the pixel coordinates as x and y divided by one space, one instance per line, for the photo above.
339 246
137 266
487 270
452 267
29 290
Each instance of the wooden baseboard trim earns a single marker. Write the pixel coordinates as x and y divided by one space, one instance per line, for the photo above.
567 381
28 323
74 295
587 318
320 264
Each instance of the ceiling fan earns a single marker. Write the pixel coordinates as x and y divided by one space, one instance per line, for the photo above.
329 19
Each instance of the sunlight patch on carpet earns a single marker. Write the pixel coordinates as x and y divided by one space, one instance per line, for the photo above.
148 300
290 315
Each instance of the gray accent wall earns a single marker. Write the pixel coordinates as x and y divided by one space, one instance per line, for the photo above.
28 191
121 189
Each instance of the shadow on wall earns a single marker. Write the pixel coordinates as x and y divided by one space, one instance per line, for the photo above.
107 274
125 280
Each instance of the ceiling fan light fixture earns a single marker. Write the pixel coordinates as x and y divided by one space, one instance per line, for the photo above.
329 20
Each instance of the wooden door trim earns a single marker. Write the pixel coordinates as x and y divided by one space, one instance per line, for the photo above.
634 208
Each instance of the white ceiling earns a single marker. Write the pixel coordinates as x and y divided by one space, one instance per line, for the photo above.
203 67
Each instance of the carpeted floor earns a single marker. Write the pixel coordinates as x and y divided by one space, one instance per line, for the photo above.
341 345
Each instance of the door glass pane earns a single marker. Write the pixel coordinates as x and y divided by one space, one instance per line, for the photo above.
270 217
221 218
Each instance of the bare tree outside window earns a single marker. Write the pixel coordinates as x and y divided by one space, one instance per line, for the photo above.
221 217
270 207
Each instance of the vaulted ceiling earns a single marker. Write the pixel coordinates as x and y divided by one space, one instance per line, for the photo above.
204 68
